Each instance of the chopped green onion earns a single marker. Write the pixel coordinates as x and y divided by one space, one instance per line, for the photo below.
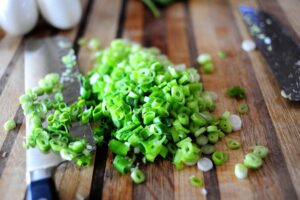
208 149
206 63
198 119
69 60
67 154
233 144
57 145
118 147
195 181
77 146
226 114
183 118
43 143
253 161
122 164
83 161
82 41
219 157
199 131
137 176
222 54
225 126
204 58
212 128
135 97
242 108
94 44
10 125
208 68
202 140
260 151
236 92
213 137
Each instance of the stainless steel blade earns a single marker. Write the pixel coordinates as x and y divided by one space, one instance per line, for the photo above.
43 57
71 90
280 50
38 63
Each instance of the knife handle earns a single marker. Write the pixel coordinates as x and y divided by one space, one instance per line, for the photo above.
42 189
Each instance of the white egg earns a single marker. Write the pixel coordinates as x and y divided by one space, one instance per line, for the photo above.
62 14
18 17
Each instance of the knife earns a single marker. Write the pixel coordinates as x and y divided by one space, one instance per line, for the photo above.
280 50
43 56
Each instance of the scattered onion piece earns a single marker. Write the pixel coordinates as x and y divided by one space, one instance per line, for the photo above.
204 191
205 164
240 171
248 45
235 122
213 95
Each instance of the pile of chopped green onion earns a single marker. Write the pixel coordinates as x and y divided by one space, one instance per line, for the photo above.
157 111
138 104
45 103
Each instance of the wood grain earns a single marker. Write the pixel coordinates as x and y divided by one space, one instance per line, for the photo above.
106 30
181 50
8 48
222 26
284 114
185 30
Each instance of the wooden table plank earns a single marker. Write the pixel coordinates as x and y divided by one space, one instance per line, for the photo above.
220 33
10 104
12 167
103 29
285 115
177 22
8 48
291 10
103 24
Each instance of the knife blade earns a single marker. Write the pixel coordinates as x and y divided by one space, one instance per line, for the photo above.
72 88
280 50
43 56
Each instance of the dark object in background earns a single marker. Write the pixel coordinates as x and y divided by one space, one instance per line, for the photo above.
152 5
278 47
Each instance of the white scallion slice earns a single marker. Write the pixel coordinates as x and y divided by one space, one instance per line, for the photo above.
248 45
204 58
240 171
204 164
204 191
235 122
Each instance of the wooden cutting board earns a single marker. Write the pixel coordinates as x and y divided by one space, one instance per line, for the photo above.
184 30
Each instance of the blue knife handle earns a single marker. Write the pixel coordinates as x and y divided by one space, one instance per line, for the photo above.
43 189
